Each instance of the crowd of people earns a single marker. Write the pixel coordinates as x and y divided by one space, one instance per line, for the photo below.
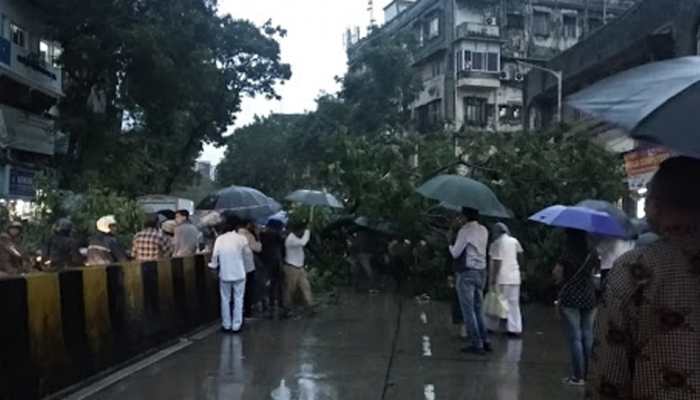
260 269
635 333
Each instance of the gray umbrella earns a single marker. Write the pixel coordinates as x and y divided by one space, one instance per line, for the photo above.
656 102
242 201
460 191
315 198
615 212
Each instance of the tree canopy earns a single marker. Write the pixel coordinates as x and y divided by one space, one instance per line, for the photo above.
148 82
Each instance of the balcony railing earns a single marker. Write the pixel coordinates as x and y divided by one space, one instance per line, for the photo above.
471 78
476 30
30 69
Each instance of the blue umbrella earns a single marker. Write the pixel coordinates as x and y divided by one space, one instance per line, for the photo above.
615 212
656 102
585 219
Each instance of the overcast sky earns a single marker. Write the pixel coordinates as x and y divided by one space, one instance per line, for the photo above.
314 48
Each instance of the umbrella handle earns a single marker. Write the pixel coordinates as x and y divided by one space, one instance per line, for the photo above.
311 215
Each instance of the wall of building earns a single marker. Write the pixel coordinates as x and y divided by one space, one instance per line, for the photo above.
61 328
653 30
513 27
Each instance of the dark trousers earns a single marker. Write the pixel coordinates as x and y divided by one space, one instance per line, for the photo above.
250 294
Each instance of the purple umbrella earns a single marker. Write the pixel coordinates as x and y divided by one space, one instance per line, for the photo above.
585 219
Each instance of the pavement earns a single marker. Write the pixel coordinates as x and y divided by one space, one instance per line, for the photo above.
364 347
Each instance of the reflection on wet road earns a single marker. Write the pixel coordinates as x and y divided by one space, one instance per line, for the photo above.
359 349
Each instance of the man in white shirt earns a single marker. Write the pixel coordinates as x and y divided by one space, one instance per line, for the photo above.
231 256
505 278
295 277
469 253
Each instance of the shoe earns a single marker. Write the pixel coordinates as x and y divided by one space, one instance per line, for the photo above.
474 350
574 382
225 330
488 348
237 331
513 335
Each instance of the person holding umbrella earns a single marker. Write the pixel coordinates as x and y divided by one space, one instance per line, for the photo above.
577 300
469 254
573 274
295 277
648 332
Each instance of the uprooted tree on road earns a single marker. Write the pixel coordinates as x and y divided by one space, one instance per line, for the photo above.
149 82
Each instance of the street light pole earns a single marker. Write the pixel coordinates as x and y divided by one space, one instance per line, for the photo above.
560 83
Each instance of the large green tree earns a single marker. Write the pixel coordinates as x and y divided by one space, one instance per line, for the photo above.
381 84
148 82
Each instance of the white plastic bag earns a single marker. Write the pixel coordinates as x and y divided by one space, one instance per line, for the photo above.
496 305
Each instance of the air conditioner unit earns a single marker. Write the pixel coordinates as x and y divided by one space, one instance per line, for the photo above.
519 77
491 21
504 76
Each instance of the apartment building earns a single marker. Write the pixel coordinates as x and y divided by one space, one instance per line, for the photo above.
474 54
31 84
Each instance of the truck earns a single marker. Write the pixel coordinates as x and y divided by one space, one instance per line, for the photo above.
158 203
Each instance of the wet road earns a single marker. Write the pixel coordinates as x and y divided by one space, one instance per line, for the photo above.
365 347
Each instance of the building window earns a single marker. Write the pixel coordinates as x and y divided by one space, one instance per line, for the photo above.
475 59
481 61
516 21
541 23
420 35
434 27
492 62
436 68
570 26
429 116
19 36
510 114
50 52
474 111
459 59
594 23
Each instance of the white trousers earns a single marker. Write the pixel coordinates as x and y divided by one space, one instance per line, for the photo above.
514 323
237 288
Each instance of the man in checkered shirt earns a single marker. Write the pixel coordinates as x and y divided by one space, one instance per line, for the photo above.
151 244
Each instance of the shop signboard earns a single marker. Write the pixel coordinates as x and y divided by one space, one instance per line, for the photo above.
21 182
641 165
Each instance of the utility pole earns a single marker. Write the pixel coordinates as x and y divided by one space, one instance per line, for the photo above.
605 12
370 9
560 83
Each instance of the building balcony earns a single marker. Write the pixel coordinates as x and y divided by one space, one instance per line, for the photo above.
27 132
429 49
432 90
472 30
478 79
29 69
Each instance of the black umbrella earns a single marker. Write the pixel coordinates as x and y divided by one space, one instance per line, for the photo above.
615 212
656 102
244 202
